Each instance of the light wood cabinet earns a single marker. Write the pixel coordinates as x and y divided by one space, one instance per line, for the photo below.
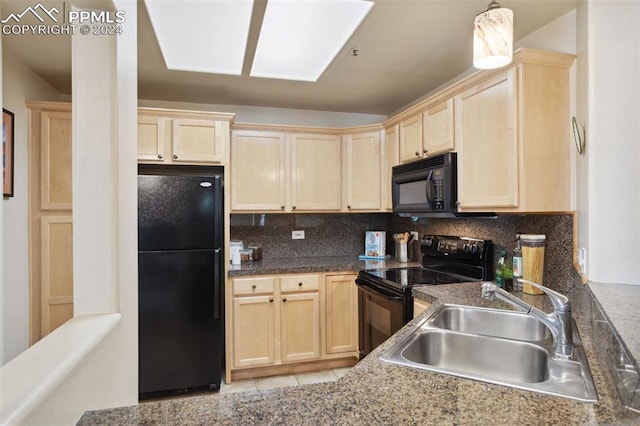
181 137
419 306
363 171
291 322
316 176
391 159
438 128
285 171
410 138
488 161
275 320
254 321
50 218
513 140
258 171
300 326
341 314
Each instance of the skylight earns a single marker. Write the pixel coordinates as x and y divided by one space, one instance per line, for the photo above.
202 36
300 38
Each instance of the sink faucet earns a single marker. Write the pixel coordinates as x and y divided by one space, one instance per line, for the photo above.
559 321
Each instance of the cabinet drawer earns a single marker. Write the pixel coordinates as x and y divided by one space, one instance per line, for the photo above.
299 283
253 285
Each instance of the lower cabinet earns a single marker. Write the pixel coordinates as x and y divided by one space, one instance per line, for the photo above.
341 314
289 320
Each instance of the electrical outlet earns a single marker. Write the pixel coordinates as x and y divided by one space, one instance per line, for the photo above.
297 235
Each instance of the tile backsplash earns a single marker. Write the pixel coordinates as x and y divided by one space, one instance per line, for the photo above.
343 235
558 228
325 234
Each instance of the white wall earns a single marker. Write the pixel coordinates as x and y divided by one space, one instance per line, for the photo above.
108 376
612 192
20 84
268 115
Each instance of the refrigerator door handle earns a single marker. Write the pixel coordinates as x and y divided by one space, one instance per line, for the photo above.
217 264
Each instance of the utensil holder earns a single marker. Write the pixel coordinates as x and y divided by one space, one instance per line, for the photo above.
402 254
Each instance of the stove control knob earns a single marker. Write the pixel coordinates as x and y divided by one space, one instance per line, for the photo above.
474 249
427 242
465 248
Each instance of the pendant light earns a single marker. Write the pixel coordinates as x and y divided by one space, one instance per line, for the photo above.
493 37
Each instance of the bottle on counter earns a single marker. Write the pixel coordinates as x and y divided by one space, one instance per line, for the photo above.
500 269
517 265
504 272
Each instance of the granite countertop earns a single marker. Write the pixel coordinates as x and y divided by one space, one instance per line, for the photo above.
375 392
298 265
619 302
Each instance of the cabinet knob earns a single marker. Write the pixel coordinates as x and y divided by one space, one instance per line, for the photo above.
160 156
349 207
271 300
424 151
281 207
175 156
284 299
300 284
293 208
417 153
253 286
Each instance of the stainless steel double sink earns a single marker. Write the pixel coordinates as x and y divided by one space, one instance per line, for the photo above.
502 347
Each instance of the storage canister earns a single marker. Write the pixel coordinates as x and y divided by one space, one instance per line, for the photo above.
532 261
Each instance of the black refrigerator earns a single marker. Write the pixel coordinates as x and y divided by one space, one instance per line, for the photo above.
180 279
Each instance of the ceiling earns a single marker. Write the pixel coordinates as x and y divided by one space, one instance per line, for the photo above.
406 48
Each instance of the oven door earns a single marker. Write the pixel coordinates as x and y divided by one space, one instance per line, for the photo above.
381 313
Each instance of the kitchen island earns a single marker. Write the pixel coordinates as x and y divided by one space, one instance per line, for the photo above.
375 392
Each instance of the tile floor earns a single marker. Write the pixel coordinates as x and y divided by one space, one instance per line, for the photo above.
283 381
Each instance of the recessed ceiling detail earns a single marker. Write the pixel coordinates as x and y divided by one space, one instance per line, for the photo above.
299 39
202 36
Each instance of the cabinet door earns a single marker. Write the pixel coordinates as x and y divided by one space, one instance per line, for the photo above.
55 160
197 141
300 326
486 130
151 139
411 139
315 172
57 271
363 167
438 128
258 172
341 328
391 159
253 331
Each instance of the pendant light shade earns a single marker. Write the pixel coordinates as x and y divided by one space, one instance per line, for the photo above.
493 37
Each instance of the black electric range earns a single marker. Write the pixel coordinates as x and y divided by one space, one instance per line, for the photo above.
385 302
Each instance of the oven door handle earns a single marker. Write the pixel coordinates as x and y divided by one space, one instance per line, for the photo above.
373 288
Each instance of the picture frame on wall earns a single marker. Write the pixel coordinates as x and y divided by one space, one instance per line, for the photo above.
7 153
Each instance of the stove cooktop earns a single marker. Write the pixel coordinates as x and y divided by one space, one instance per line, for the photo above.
407 277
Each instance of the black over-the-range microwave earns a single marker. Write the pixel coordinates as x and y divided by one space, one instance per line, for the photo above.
428 188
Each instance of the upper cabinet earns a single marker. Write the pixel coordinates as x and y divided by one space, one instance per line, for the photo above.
258 172
438 128
316 176
276 170
513 141
429 132
391 158
488 157
181 137
410 131
363 171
